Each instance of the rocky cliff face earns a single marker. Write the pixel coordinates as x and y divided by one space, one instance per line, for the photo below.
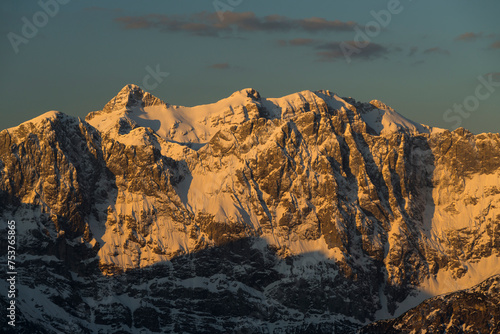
474 310
309 212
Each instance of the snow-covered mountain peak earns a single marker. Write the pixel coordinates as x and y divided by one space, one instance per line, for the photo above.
384 120
293 104
380 105
40 121
49 115
246 92
128 98
132 107
130 87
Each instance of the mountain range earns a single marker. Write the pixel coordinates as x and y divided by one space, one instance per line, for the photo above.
309 213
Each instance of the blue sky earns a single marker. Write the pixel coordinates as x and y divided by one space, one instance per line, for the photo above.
424 60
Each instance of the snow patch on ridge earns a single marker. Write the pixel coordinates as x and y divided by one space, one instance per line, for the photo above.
455 211
48 116
384 120
444 282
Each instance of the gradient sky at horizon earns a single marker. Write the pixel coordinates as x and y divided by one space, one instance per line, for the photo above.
426 59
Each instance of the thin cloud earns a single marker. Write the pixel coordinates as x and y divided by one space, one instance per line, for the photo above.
297 42
437 50
495 45
209 24
495 76
314 24
469 36
302 41
220 66
413 50
282 42
398 48
347 50
130 22
350 50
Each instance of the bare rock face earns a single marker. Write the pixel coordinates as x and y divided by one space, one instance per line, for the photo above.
57 166
474 310
308 213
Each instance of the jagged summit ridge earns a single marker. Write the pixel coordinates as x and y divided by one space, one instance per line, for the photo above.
247 92
129 97
132 107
